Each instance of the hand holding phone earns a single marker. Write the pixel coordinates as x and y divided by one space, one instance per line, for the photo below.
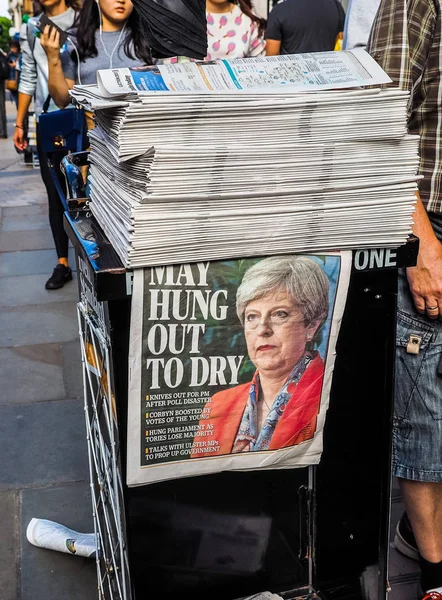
43 20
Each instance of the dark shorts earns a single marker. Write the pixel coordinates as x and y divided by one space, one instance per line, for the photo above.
417 432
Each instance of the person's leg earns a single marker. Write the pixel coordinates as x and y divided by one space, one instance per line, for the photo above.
56 212
423 503
3 121
417 433
15 97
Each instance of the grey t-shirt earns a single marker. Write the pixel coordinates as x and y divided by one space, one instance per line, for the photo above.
34 64
89 68
358 21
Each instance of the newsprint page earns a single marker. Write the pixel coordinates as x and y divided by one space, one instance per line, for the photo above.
263 74
231 364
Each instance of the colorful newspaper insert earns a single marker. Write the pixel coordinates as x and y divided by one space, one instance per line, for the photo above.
231 364
261 75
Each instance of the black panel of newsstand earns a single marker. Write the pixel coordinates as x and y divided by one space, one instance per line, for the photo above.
220 536
353 478
352 490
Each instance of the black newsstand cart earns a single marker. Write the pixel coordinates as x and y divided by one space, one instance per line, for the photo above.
317 532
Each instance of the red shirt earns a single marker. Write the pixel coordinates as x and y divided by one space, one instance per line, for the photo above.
297 424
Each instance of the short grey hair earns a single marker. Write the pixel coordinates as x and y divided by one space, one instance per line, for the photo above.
300 277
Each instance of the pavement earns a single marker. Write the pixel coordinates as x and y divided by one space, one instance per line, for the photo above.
44 470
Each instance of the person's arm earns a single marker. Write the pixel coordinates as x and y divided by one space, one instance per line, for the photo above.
58 85
257 45
272 47
400 44
425 278
26 89
338 44
28 67
24 102
273 34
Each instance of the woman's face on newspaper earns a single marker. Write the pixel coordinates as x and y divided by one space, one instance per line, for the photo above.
116 12
276 333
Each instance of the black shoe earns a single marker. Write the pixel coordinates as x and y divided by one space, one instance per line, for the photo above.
404 540
59 277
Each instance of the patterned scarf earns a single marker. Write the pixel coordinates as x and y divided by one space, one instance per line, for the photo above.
248 437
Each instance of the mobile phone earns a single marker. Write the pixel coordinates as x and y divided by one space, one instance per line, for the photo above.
43 20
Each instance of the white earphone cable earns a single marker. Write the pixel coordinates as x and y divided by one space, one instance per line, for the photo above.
78 59
110 56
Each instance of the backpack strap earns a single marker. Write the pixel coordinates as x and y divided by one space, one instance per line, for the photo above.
46 104
30 26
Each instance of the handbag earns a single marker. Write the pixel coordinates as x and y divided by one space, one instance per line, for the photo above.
11 85
61 130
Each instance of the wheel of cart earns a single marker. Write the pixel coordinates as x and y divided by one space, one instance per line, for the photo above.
104 458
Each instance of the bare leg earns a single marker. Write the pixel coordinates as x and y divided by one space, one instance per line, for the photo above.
423 503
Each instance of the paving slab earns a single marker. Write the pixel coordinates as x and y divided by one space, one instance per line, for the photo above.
21 184
30 289
29 210
27 223
72 369
7 162
12 241
31 191
15 169
38 324
406 591
31 374
399 565
9 581
42 444
50 575
29 262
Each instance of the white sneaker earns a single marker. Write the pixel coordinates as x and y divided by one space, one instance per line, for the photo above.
54 536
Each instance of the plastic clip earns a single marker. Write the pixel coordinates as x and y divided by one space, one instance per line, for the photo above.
414 344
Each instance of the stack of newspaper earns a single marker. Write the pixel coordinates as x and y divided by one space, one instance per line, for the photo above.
204 161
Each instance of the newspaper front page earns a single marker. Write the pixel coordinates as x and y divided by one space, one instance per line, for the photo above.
264 74
231 364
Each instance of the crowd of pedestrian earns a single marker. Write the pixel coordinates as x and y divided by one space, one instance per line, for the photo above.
405 37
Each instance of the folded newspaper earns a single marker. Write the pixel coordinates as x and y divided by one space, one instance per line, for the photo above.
260 75
231 364
250 157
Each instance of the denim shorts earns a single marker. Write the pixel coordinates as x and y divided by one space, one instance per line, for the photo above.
417 424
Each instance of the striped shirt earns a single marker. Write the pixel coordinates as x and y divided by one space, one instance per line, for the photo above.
406 41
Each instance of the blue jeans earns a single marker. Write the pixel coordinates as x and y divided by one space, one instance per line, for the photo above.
417 431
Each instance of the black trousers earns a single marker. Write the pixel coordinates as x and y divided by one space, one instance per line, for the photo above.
55 205
3 122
